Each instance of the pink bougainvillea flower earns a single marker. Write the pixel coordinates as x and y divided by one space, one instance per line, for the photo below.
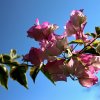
85 74
91 60
35 56
54 45
57 70
92 69
70 30
96 62
81 35
41 31
86 58
77 68
52 50
78 19
88 79
76 24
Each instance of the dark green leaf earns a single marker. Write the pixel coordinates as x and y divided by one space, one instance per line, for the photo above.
19 74
91 34
34 72
3 76
97 30
5 58
90 50
13 63
48 76
0 57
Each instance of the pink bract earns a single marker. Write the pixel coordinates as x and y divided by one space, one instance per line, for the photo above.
35 56
86 58
91 60
77 18
70 30
57 70
96 62
88 79
54 46
76 24
41 31
84 72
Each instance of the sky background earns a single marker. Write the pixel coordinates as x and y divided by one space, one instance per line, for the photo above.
16 17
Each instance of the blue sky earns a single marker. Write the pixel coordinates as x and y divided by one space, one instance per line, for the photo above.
16 17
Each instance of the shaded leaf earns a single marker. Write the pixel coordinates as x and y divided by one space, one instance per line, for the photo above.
5 58
97 30
13 63
48 76
91 34
18 73
0 57
3 76
33 73
90 50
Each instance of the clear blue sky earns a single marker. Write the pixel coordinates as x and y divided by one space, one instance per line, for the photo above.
16 17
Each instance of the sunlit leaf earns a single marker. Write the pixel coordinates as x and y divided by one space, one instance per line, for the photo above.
95 43
69 52
3 76
79 41
13 54
19 74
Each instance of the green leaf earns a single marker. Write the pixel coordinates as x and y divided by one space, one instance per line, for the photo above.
95 43
90 50
5 58
13 63
79 41
48 76
19 74
0 58
97 30
34 72
3 76
91 34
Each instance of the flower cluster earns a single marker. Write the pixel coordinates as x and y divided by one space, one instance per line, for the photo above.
59 58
